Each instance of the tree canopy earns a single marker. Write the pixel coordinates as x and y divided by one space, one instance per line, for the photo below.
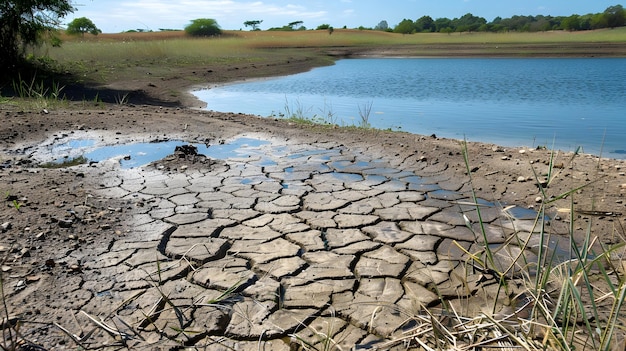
203 27
254 24
82 25
613 16
23 23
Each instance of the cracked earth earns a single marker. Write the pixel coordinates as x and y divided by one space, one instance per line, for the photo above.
294 233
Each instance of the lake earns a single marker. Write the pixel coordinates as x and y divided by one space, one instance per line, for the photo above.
563 103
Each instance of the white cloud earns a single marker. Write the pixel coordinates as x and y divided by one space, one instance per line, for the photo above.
154 14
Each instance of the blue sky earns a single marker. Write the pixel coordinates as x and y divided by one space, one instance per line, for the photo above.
113 16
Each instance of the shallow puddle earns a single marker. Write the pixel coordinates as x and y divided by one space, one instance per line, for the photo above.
133 155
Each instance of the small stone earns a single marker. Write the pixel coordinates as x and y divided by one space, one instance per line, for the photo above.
65 223
32 278
72 237
40 236
521 179
5 226
538 199
504 158
522 151
24 252
105 226
5 268
75 268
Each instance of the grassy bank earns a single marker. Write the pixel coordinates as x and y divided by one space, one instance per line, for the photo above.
115 56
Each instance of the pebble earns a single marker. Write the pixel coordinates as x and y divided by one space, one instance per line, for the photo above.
521 179
24 252
32 278
5 226
65 223
538 199
522 151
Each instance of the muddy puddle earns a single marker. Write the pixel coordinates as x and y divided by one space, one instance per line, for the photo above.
67 147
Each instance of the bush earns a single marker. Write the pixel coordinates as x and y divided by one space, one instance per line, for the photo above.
203 27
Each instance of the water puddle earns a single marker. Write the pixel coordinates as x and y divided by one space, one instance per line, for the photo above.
131 155
134 155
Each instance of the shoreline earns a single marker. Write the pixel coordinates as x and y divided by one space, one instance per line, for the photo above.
598 150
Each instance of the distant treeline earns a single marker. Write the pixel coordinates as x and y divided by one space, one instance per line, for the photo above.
613 16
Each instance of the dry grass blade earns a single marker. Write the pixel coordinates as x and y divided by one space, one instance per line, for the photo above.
111 330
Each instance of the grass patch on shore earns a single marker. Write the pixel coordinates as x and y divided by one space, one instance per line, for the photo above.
109 57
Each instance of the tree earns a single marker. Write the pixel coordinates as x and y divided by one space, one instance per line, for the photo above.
203 27
615 16
382 25
571 23
468 23
443 25
406 26
23 23
81 26
425 24
294 24
254 24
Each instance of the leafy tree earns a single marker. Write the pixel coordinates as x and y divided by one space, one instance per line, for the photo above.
23 23
468 23
571 23
323 27
425 24
442 24
81 26
598 20
203 27
406 26
615 16
254 24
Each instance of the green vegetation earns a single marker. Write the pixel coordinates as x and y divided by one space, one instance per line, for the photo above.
203 27
24 24
612 17
254 24
82 25
66 162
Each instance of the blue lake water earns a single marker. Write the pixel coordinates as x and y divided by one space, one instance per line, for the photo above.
564 103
